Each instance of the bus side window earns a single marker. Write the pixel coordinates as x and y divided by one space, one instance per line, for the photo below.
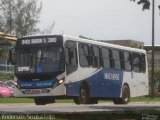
136 62
121 53
127 61
71 58
95 56
143 63
84 57
106 57
116 59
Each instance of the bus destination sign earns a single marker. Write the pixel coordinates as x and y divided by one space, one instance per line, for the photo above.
38 41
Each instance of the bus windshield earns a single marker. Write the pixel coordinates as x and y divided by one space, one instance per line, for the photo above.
39 60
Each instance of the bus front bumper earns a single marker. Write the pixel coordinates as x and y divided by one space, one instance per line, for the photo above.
58 91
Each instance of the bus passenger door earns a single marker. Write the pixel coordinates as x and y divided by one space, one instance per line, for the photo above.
71 57
71 68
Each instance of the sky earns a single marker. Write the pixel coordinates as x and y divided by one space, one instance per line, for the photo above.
101 19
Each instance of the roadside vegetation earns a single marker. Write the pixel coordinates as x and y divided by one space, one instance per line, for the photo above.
6 76
30 100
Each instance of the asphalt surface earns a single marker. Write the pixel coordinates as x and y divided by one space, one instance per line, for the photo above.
30 108
70 111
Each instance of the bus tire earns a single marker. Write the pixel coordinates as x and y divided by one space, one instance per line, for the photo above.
117 101
93 101
40 101
76 101
44 100
125 96
83 97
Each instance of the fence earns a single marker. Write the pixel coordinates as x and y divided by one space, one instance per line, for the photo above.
6 68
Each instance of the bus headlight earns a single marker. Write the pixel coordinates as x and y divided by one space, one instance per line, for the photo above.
60 81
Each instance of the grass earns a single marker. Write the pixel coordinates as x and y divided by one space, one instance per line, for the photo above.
30 100
147 99
16 100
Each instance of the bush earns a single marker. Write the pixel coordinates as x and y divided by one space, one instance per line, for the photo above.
6 76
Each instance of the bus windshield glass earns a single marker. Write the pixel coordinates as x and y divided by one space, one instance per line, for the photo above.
39 60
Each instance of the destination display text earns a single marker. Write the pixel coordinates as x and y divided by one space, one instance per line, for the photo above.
38 41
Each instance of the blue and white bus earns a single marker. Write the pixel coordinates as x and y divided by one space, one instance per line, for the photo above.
48 67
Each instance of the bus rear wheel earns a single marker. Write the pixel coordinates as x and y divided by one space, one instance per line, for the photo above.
125 96
93 101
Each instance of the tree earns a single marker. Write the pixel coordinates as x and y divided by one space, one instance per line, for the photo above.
2 53
3 43
145 4
81 36
49 29
19 17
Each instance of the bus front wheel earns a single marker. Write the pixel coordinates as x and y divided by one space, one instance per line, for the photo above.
83 97
39 101
93 101
44 100
125 96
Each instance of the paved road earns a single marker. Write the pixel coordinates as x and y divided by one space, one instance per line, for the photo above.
72 108
102 111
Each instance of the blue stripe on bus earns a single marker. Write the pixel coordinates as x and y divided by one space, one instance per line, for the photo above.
72 89
105 83
37 84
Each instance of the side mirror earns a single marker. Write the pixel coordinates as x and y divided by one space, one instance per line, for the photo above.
12 56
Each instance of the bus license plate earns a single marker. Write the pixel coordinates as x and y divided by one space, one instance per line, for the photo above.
33 91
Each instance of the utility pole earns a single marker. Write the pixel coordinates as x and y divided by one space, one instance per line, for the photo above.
10 17
152 80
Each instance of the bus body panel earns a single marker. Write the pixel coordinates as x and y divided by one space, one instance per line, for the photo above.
58 91
137 82
102 82
106 83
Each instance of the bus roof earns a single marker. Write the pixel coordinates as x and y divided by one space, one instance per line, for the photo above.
96 42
